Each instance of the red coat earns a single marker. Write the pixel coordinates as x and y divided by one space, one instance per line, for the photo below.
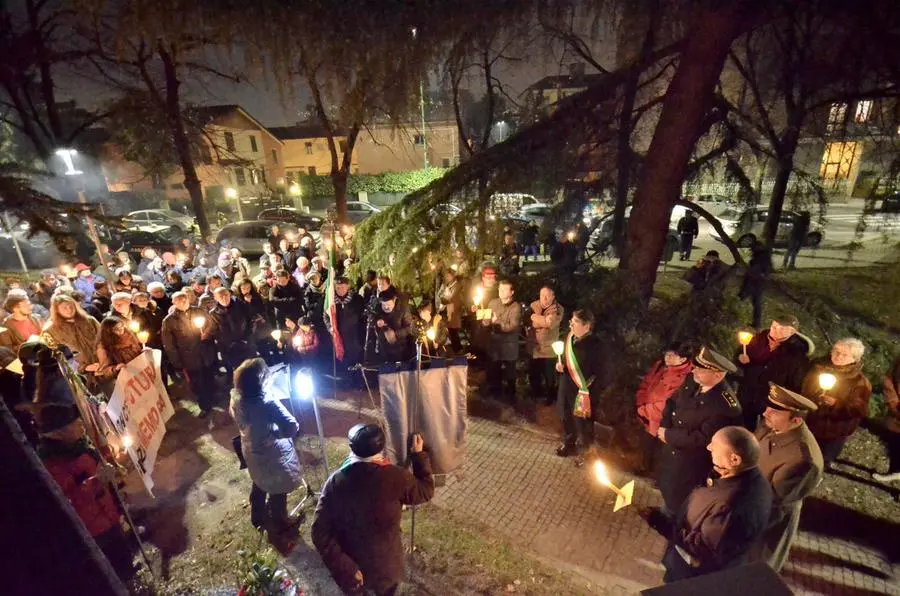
76 477
658 385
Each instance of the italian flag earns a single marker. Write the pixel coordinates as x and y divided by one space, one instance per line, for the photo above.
331 309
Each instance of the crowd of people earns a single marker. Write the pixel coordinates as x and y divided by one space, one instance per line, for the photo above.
221 323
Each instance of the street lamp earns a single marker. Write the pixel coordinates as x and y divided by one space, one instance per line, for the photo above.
414 31
232 193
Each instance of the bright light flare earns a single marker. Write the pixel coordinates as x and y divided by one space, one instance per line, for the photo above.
231 193
276 335
304 384
479 295
559 347
430 334
571 236
827 381
199 322
143 336
601 474
134 325
127 441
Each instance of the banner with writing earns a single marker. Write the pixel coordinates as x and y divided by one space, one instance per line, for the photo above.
139 408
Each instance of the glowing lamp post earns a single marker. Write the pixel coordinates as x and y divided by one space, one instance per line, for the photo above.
624 495
744 338
558 348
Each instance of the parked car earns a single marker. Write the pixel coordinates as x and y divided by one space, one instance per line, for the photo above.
133 241
745 225
153 219
294 216
601 239
357 211
536 212
248 236
891 204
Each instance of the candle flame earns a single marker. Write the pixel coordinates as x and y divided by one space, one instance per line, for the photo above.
600 473
276 335
199 322
134 326
430 334
827 381
744 337
143 336
559 347
127 441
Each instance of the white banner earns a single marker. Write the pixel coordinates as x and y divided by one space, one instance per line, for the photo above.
439 406
139 408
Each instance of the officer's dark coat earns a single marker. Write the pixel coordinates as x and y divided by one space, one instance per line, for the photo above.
719 524
691 419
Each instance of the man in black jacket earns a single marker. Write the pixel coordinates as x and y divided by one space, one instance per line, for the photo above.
181 339
394 330
579 386
692 416
287 298
228 326
720 522
349 309
357 522
688 230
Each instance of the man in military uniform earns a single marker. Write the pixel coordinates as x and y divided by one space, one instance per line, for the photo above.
791 461
692 416
720 522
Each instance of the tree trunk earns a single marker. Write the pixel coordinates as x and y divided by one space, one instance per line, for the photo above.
339 182
688 99
181 140
784 167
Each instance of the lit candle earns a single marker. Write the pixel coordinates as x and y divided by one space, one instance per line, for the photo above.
134 325
558 348
199 322
430 334
744 338
143 336
297 341
827 381
479 296
276 335
571 236
624 495
127 441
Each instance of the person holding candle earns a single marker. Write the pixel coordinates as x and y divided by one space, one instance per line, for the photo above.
691 418
780 355
719 523
181 337
580 367
543 330
505 325
118 346
450 299
841 407
790 459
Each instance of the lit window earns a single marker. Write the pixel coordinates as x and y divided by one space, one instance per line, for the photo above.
838 161
863 110
239 177
419 140
836 116
229 141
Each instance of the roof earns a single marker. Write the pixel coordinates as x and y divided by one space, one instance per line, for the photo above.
209 114
303 130
567 82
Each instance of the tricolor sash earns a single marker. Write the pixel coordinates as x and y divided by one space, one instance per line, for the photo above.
583 399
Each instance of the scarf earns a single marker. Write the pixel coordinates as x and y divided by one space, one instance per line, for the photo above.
582 407
378 459
345 300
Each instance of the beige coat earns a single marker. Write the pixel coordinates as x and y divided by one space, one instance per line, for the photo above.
792 463
544 329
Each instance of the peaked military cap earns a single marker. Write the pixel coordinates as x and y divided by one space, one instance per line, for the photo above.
710 360
791 401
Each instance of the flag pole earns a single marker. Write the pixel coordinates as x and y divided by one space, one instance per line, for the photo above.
414 428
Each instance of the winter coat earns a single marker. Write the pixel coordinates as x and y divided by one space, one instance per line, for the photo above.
544 330
758 271
228 327
589 354
657 386
267 442
74 467
288 302
506 325
709 275
357 521
314 303
182 342
86 285
719 524
351 325
80 335
401 323
792 463
786 365
688 226
151 319
691 418
852 392
451 299
123 353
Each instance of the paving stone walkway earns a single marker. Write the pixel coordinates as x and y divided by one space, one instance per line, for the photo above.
513 482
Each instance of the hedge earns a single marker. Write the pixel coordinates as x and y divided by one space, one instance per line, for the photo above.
391 182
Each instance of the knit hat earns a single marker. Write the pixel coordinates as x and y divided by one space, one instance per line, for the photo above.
366 440
55 416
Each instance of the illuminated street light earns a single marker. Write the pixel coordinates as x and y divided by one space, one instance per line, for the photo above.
67 156
294 189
